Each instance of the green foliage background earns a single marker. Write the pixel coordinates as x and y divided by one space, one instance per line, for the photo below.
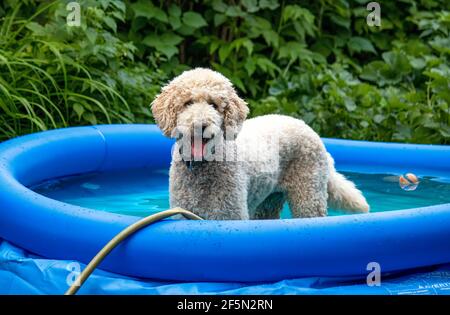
316 60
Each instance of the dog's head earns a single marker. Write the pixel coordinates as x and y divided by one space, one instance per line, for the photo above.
199 103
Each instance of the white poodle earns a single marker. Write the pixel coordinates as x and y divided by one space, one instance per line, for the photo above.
226 168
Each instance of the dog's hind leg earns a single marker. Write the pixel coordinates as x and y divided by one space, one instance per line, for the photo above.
306 188
271 207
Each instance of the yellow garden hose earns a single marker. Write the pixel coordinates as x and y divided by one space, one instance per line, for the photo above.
133 228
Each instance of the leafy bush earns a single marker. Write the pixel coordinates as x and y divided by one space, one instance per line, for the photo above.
317 60
55 76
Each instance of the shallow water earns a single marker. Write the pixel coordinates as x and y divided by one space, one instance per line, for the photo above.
143 192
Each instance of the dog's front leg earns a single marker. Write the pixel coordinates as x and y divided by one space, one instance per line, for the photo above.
211 205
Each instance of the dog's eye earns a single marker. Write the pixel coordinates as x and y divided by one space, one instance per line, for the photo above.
214 105
188 103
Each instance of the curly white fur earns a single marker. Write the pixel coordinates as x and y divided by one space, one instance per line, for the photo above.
284 160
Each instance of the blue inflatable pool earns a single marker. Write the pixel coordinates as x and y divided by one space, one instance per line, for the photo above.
228 251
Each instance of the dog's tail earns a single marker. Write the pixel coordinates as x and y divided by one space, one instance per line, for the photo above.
342 193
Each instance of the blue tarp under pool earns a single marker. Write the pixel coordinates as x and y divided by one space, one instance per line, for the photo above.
24 273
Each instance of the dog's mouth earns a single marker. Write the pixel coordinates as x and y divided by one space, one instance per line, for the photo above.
198 153
198 149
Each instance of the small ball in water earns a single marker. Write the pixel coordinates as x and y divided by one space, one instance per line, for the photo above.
408 182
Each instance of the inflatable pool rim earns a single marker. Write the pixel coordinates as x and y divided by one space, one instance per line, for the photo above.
235 251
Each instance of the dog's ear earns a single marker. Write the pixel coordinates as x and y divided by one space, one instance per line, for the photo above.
235 113
164 109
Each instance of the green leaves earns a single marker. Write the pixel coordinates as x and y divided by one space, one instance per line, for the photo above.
194 20
36 28
441 44
301 21
147 10
358 44
269 4
258 26
392 70
79 109
293 51
168 27
165 43
111 23
174 16
251 5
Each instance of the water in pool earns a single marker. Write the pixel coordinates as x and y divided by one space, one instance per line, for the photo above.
143 192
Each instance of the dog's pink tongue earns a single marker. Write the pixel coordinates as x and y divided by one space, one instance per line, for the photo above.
197 150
